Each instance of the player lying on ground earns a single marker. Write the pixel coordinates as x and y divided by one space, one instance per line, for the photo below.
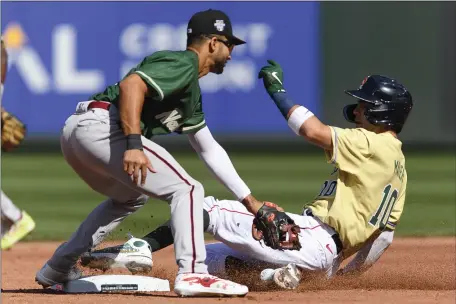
356 209
16 223
231 224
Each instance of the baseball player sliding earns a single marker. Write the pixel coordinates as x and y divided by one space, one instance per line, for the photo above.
107 142
355 211
16 223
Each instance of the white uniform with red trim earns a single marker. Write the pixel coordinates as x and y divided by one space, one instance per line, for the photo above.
231 224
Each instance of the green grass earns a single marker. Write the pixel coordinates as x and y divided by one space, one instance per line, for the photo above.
46 187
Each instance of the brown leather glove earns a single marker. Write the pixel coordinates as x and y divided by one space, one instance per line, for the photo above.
13 131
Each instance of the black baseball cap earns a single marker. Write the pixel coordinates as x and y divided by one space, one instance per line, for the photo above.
212 22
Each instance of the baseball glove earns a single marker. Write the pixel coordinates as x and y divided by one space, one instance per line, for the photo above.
13 131
275 228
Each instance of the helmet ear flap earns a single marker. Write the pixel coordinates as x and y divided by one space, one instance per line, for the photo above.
348 112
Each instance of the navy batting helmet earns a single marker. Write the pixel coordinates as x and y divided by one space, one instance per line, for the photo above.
388 102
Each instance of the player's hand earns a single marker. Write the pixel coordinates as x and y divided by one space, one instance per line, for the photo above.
272 75
135 161
253 205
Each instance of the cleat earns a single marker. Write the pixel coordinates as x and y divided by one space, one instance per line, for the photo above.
18 231
287 277
205 285
134 255
48 276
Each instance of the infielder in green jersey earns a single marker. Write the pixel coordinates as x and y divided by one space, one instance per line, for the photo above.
107 142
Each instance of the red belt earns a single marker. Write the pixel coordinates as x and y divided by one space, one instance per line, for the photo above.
99 105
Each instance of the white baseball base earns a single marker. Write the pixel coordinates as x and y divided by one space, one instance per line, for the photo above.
113 283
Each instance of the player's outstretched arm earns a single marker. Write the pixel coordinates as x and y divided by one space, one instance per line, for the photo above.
300 119
271 223
371 251
219 163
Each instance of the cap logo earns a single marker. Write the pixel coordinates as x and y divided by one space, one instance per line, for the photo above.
363 82
219 25
189 30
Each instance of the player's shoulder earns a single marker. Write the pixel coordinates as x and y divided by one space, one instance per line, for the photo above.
365 134
173 57
388 142
355 139
352 133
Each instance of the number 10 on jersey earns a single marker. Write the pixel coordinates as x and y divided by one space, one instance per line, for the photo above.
386 206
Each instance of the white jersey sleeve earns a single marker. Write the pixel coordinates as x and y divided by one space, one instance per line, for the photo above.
218 161
371 251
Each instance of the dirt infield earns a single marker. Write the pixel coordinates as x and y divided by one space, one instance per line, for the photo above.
412 271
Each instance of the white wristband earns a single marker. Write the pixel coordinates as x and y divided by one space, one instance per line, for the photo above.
298 117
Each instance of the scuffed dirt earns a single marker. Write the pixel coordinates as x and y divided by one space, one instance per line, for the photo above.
413 270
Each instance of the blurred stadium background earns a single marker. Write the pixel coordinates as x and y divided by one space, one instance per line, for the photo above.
62 52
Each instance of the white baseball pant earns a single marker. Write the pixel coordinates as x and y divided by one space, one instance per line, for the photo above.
231 224
93 144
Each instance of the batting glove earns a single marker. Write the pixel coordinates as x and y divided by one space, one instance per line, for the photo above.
272 75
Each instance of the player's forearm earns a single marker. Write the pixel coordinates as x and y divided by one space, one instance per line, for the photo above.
369 253
303 122
218 162
132 93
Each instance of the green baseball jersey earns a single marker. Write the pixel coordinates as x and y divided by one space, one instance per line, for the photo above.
174 102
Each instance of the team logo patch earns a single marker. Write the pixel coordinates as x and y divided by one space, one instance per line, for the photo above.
363 82
219 25
170 119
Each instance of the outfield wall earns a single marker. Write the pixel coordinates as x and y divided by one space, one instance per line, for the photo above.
61 53
411 41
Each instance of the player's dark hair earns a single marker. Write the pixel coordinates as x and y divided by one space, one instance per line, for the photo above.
396 129
199 39
196 40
